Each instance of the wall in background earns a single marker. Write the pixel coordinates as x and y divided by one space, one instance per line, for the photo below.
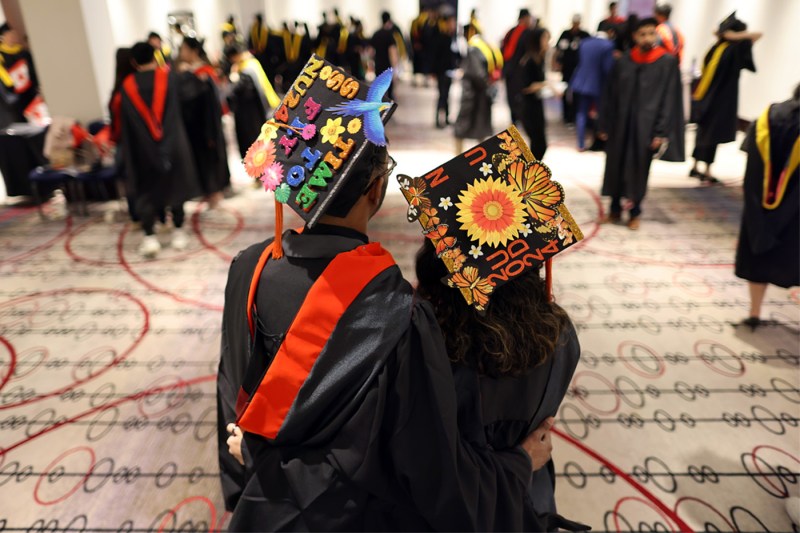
131 20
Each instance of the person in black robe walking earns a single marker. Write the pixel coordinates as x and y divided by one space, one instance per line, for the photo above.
385 46
481 69
159 168
251 96
769 239
202 115
641 118
715 101
513 48
445 61
533 77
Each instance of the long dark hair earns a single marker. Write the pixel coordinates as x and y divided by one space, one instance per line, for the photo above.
533 44
519 331
124 67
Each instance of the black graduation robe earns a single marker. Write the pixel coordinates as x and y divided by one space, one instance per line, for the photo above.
513 51
769 240
159 172
202 116
499 411
716 109
474 119
641 101
17 62
372 443
249 102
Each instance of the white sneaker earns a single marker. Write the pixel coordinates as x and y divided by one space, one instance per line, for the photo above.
179 239
793 509
149 247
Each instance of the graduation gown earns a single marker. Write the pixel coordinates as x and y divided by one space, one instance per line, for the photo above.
159 172
716 99
513 50
19 79
769 239
641 100
474 119
500 411
202 116
371 442
250 99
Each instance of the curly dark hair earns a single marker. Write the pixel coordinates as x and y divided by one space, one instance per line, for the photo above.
519 331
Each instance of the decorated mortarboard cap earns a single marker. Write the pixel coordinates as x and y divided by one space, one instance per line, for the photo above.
309 147
492 213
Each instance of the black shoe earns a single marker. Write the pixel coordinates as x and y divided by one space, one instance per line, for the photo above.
694 173
711 180
753 322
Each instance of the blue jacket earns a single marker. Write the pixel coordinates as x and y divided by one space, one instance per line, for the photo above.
595 59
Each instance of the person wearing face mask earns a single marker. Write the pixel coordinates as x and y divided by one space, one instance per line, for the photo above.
641 118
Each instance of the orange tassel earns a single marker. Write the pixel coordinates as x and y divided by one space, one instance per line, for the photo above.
548 278
277 249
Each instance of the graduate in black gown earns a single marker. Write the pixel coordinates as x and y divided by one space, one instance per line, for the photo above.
513 48
769 240
337 375
445 61
532 76
715 101
513 350
251 95
385 46
509 373
19 83
159 168
202 115
641 117
482 68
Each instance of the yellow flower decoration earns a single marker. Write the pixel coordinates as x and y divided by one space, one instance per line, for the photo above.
331 131
354 126
491 211
269 131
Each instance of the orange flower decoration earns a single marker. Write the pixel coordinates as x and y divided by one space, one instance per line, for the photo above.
491 211
260 155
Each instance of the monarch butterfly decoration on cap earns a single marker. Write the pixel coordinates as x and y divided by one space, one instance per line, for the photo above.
306 151
492 213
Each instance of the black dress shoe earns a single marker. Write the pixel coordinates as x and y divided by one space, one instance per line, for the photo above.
752 322
694 173
711 180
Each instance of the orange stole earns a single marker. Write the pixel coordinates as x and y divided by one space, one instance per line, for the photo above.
330 296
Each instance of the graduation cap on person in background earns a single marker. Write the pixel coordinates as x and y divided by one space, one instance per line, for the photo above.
731 23
317 135
492 213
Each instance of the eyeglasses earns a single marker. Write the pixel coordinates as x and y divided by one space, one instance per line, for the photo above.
384 174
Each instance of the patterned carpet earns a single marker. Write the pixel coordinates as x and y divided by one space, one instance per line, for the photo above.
676 420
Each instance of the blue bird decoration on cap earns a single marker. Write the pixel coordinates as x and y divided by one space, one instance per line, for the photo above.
370 110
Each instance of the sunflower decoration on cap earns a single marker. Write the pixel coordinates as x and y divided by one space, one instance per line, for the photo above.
308 148
492 213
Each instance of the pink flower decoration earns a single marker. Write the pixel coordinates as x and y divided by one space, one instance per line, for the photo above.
309 130
272 177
